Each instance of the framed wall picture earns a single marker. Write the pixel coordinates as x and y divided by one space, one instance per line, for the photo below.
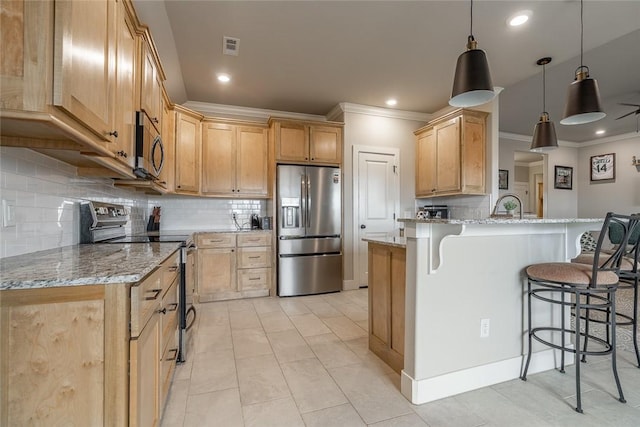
563 178
503 179
603 167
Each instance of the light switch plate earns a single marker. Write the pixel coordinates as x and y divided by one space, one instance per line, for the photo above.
8 213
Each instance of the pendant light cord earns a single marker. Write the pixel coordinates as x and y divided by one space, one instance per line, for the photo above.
581 32
471 26
544 89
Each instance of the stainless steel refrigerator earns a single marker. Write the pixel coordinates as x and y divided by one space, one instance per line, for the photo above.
309 230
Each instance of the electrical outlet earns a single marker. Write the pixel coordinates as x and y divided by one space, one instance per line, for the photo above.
484 328
8 213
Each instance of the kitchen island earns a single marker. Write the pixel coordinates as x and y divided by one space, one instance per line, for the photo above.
465 306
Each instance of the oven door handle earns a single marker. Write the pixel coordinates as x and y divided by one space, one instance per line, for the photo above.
193 321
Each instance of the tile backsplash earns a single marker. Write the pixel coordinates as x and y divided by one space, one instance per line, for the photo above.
45 194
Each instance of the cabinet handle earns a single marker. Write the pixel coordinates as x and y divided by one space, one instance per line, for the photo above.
122 154
114 133
254 257
162 311
175 354
155 120
179 186
173 268
156 292
254 278
174 306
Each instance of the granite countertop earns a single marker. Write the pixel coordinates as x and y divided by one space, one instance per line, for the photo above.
389 240
202 230
92 264
503 220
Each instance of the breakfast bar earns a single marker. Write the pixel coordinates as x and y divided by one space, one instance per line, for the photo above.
464 305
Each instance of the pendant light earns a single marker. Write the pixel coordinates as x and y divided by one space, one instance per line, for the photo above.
544 134
472 82
583 96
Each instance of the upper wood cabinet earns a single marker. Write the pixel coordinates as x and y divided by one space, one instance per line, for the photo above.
151 82
84 61
234 159
450 155
307 142
166 176
187 151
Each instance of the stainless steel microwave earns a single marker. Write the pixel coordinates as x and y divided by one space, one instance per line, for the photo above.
149 148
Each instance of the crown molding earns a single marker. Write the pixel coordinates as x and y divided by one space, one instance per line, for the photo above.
347 107
257 114
528 138
614 138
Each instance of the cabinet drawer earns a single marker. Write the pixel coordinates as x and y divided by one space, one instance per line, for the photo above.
254 257
170 272
254 239
145 299
216 240
167 366
254 278
169 315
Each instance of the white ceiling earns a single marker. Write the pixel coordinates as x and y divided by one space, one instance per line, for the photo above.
308 56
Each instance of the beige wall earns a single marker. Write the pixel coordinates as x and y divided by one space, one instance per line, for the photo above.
375 131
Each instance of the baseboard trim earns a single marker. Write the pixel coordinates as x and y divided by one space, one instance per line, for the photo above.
430 389
349 285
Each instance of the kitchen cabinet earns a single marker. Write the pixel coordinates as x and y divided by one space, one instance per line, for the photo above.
151 76
386 303
233 265
187 151
307 142
234 159
166 176
61 78
450 155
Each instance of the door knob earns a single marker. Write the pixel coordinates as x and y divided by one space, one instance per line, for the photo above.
363 226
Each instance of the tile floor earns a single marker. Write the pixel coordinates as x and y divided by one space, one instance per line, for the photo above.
305 362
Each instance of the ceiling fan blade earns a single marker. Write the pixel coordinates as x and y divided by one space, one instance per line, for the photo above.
628 114
629 105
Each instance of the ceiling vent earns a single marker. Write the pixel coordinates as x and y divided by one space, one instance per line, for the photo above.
230 46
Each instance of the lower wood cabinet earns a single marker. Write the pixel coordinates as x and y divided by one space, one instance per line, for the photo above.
233 265
95 355
386 303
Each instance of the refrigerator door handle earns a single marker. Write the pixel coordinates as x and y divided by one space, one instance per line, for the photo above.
308 205
303 201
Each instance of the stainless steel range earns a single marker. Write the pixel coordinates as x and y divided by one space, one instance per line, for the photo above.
107 223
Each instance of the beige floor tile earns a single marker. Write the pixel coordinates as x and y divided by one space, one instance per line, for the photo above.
331 351
183 370
498 410
293 307
374 398
275 321
289 346
312 386
212 313
275 413
448 412
220 408
244 319
261 379
342 416
250 342
354 312
176 405
240 305
309 324
364 324
213 338
345 328
323 309
213 371
411 420
267 305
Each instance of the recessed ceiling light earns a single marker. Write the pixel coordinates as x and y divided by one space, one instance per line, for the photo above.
519 18
600 132
391 102
224 78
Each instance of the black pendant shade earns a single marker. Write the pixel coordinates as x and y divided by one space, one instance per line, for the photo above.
583 101
544 134
472 82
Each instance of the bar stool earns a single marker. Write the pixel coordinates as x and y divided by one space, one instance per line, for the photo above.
629 275
582 288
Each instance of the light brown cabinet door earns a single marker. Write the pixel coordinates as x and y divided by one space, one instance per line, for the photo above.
325 144
251 161
473 154
166 176
448 155
426 164
123 146
187 154
144 392
84 62
150 92
292 142
218 158
216 274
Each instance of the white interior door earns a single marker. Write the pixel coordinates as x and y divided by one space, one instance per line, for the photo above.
377 201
